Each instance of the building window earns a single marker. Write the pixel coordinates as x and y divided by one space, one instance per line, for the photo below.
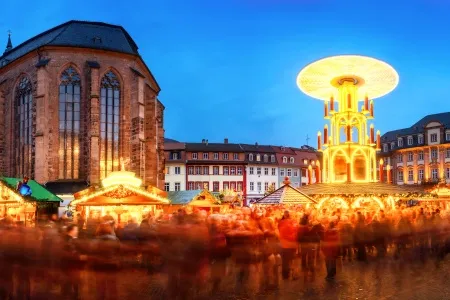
205 170
420 175
258 157
292 160
177 186
167 186
239 186
266 171
433 137
266 186
109 124
410 156
400 142
305 161
274 171
216 156
225 156
447 136
289 172
385 148
284 159
282 172
410 140
239 170
236 156
266 158
251 170
226 185
225 170
194 155
258 171
69 124
232 170
434 174
190 186
174 155
447 153
206 185
447 173
259 186
420 155
400 158
272 158
216 170
177 170
250 157
233 186
205 155
191 170
392 145
252 186
295 172
400 175
198 170
410 175
434 153
420 139
199 186
24 129
216 186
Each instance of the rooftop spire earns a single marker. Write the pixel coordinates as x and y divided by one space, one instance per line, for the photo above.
9 44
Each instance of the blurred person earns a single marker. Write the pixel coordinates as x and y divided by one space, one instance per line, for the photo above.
330 249
72 263
346 238
288 241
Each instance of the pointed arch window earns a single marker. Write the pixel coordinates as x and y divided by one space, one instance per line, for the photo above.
69 124
24 143
109 124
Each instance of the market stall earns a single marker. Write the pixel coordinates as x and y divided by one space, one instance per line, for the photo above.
120 197
23 199
201 199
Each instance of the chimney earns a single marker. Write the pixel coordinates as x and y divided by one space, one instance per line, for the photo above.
225 140
256 144
203 141
206 142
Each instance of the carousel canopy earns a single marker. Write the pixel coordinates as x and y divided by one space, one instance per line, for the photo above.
118 195
38 192
286 195
193 197
370 188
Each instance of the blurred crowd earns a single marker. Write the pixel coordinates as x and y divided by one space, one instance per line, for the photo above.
196 251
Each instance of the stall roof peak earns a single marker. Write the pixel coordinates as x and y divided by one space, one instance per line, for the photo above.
286 195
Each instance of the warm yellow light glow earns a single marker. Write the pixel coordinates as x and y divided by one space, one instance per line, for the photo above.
374 77
349 155
122 177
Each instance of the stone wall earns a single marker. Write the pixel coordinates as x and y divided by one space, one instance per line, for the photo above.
134 128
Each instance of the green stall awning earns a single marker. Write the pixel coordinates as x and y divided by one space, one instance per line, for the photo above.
39 193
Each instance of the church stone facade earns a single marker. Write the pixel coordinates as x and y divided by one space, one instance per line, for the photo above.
78 102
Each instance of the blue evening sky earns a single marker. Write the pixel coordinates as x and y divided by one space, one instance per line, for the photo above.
227 68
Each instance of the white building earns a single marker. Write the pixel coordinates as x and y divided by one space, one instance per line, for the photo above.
175 172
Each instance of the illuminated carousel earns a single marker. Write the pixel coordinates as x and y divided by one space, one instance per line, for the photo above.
121 197
350 176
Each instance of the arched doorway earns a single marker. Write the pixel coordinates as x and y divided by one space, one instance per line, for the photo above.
359 166
339 163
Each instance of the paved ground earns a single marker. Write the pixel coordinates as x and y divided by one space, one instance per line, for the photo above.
388 279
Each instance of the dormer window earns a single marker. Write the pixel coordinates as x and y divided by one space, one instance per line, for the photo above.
266 158
291 160
305 161
272 158
420 139
410 140
258 157
447 135
392 146
400 142
284 160
250 157
283 148
385 148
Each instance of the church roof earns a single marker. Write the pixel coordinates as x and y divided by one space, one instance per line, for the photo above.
285 195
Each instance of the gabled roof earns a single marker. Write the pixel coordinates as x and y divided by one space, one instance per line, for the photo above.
82 34
117 195
186 197
257 148
213 147
166 140
285 195
369 188
418 127
39 193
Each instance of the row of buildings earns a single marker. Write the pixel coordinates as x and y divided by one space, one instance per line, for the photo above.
418 154
250 170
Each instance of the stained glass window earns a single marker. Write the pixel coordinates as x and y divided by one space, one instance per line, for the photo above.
69 124
24 165
109 124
